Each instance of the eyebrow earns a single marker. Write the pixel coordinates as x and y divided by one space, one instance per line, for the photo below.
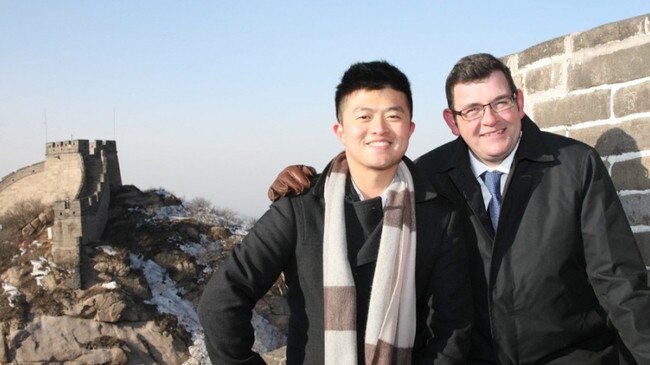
389 109
491 101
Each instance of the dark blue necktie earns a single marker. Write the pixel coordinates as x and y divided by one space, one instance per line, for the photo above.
492 180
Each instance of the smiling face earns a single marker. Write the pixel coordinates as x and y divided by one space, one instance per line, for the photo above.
492 137
375 127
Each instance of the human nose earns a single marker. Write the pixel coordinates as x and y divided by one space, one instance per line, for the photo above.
379 125
490 117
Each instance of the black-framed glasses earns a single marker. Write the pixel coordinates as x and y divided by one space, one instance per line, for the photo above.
499 105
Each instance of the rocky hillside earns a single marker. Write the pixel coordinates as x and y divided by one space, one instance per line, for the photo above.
140 287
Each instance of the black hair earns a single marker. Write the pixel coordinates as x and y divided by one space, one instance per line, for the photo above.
473 68
375 75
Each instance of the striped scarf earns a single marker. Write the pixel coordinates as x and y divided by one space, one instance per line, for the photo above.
390 331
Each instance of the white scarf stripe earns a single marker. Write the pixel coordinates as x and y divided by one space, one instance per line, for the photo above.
339 254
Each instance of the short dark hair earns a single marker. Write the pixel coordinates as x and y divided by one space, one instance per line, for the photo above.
473 68
375 75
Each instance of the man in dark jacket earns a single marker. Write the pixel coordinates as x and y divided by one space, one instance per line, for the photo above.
368 282
558 275
556 272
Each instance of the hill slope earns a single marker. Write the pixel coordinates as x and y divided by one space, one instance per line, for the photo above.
140 287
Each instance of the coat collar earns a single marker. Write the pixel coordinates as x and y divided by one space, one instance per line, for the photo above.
424 191
532 146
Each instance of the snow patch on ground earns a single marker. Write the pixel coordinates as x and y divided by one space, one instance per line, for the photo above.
165 294
109 250
110 285
40 268
12 292
199 251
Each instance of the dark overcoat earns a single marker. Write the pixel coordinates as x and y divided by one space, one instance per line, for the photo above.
563 274
289 238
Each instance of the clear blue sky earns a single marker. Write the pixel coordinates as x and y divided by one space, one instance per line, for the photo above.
213 98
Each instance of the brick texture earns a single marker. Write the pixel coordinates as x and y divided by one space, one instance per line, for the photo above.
630 136
609 32
636 208
632 175
544 78
573 109
632 99
624 65
543 50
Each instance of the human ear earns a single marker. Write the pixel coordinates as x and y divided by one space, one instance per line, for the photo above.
449 117
338 130
520 103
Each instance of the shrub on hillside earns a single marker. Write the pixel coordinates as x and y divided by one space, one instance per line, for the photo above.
198 206
202 209
11 223
17 217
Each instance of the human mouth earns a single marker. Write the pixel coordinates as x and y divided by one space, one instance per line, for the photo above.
494 133
378 143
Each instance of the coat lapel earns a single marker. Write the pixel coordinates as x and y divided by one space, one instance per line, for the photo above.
531 161
463 178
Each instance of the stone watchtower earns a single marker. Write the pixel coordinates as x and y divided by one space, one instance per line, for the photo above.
76 179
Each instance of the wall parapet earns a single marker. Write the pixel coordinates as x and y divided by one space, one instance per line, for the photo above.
19 174
71 146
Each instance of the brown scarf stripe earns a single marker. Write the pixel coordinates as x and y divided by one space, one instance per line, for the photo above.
345 319
384 354
393 214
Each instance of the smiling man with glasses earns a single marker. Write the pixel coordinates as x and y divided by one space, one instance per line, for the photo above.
557 275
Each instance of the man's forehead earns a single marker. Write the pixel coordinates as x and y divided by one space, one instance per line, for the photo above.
364 92
496 79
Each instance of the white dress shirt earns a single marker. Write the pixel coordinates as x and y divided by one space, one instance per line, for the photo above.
478 168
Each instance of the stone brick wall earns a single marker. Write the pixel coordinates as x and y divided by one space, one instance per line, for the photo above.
594 86
17 175
56 178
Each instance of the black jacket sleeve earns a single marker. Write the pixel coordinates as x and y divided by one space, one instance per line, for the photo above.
225 308
449 298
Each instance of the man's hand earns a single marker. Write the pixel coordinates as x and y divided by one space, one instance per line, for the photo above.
293 180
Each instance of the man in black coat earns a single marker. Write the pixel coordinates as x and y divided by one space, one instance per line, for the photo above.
556 272
558 276
428 305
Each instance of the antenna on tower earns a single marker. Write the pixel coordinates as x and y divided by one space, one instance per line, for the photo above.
45 123
113 122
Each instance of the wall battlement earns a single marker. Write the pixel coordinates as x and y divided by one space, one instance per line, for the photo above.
71 146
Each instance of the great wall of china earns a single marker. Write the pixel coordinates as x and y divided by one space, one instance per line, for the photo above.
76 179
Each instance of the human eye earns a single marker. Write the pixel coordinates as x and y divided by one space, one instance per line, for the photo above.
502 104
472 112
